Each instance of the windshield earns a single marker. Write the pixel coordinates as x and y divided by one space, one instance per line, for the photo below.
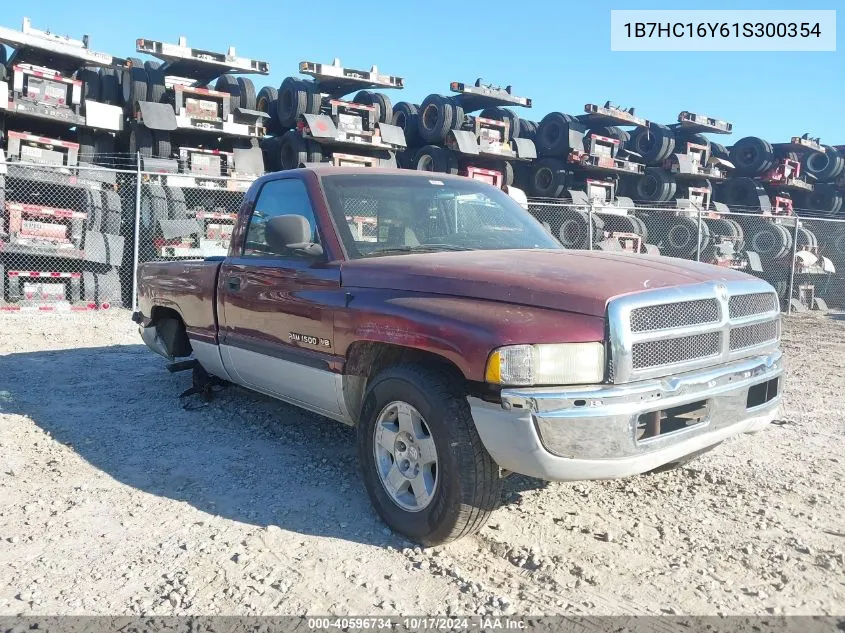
388 214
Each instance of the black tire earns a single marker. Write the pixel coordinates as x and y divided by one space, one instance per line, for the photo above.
161 144
611 131
640 227
683 237
385 107
151 65
267 101
806 239
656 185
717 150
104 148
553 134
682 138
155 86
407 116
112 216
576 231
141 141
458 114
654 143
90 78
405 159
768 240
270 148
720 227
548 178
736 228
178 203
230 85
247 90
293 150
528 129
134 85
752 156
378 100
825 199
294 99
436 115
745 193
504 114
315 151
87 146
92 205
109 86
824 166
436 159
506 169
468 486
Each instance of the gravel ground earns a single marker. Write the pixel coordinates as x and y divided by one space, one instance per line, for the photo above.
117 497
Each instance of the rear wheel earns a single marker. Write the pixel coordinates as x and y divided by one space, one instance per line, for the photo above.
439 159
424 466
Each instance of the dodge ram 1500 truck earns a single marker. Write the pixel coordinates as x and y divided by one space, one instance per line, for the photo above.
463 341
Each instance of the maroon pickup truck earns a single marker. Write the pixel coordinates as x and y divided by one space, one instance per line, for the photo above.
464 343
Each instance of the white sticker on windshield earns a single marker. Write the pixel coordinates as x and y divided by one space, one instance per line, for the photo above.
436 182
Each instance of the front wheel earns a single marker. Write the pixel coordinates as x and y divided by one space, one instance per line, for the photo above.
424 466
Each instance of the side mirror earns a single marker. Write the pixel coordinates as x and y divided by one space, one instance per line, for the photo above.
291 232
307 248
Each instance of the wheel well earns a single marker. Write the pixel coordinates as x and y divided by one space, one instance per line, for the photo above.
366 359
171 329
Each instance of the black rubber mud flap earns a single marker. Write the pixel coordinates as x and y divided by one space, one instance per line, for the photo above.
249 161
158 116
525 148
171 229
392 134
465 141
321 125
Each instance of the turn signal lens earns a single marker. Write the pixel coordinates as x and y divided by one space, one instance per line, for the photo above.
548 364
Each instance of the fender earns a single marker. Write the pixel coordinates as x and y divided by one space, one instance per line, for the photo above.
464 331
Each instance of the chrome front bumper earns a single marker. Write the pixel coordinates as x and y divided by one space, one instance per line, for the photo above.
590 432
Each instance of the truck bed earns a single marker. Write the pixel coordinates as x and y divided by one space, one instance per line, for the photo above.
189 287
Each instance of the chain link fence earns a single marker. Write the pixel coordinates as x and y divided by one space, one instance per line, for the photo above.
803 258
71 239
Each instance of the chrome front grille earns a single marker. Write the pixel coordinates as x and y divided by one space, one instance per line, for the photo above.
674 315
675 350
754 303
754 335
666 331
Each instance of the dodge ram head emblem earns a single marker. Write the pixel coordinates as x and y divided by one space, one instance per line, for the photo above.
722 292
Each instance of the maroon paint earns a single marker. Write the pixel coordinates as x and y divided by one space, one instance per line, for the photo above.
460 305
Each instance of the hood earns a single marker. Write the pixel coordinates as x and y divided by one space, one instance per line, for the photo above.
573 281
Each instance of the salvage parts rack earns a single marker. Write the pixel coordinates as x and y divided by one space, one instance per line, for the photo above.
610 114
199 65
61 53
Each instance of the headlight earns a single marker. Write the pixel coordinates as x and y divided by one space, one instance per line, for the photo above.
549 364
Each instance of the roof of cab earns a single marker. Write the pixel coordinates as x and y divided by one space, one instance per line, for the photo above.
330 170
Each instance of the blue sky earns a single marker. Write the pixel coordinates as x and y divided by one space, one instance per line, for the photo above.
557 53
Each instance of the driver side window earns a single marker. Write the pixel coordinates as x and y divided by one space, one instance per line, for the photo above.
286 197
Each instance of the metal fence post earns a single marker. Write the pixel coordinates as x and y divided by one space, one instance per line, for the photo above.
792 267
136 241
698 240
590 225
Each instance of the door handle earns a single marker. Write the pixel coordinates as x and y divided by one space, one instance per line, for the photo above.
233 283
